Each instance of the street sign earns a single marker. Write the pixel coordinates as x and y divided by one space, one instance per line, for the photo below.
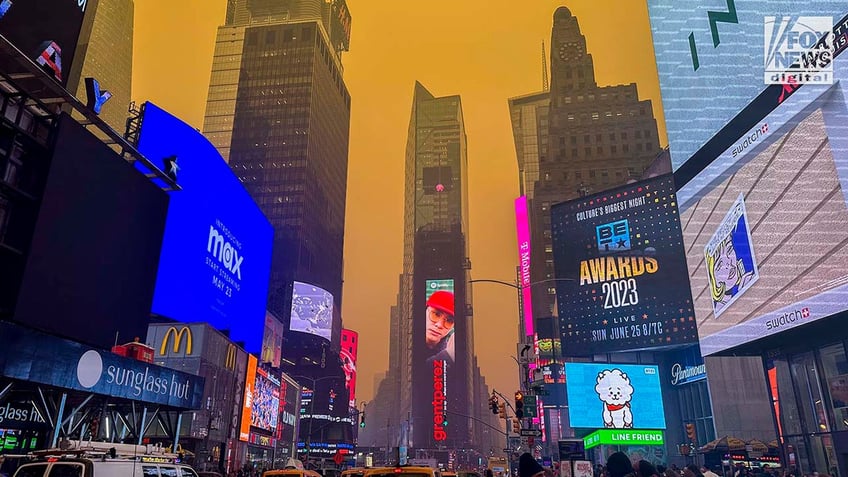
531 433
529 406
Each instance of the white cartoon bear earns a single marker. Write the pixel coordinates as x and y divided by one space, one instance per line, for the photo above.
615 391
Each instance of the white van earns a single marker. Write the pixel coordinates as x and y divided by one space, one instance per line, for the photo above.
98 461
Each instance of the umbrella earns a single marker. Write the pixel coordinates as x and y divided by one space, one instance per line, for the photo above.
757 446
726 444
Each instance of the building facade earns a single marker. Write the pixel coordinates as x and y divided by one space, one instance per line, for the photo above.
598 137
279 111
108 55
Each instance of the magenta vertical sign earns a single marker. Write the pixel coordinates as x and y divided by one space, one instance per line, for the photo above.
522 226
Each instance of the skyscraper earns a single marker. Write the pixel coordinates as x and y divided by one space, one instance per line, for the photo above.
108 57
279 112
436 260
598 137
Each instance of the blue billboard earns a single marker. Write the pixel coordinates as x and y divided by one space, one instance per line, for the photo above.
617 396
40 358
216 253
714 57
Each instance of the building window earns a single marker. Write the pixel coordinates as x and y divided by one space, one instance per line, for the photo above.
613 150
573 139
638 134
598 137
570 117
639 147
585 139
562 141
600 150
4 215
551 290
625 148
588 151
546 205
624 135
574 153
549 248
578 175
595 115
592 173
567 100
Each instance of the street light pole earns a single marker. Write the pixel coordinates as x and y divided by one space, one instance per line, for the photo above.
311 410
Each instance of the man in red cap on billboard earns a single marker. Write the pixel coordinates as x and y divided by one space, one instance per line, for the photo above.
440 326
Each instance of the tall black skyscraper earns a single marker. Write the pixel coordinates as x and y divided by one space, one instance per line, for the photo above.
279 112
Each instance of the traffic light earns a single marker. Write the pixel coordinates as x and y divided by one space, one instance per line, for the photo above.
362 420
519 405
690 432
502 410
516 426
493 403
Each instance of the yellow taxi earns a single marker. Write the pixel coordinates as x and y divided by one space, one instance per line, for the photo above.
290 473
354 472
402 471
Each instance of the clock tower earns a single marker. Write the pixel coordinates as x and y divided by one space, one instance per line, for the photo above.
571 66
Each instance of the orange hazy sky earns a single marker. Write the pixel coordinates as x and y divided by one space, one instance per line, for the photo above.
484 50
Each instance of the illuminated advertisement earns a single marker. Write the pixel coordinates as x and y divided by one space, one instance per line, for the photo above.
348 353
715 57
46 31
289 408
272 341
615 396
216 254
265 404
615 254
522 227
439 341
765 235
36 357
312 310
439 336
247 401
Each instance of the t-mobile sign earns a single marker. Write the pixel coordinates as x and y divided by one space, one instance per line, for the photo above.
522 226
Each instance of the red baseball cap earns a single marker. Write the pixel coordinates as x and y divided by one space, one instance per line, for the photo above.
442 300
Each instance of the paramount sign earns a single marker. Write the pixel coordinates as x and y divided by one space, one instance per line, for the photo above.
681 374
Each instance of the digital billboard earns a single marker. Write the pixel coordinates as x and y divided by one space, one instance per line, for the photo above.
764 220
312 310
439 336
348 353
216 254
716 56
615 254
80 279
272 341
617 396
247 398
265 405
46 31
522 227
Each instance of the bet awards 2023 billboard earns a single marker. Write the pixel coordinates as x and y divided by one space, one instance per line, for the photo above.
621 270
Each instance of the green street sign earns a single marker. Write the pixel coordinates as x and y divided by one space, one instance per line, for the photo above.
529 406
623 437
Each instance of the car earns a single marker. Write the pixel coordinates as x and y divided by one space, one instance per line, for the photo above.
354 472
103 459
402 471
290 473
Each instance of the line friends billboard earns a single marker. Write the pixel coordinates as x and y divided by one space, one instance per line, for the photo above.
618 396
615 255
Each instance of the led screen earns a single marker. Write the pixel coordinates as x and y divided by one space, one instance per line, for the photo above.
265 406
764 222
96 209
312 310
615 255
272 341
617 396
522 227
247 399
46 31
713 56
439 336
349 351
216 255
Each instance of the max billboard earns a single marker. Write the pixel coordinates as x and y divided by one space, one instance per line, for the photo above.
216 253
